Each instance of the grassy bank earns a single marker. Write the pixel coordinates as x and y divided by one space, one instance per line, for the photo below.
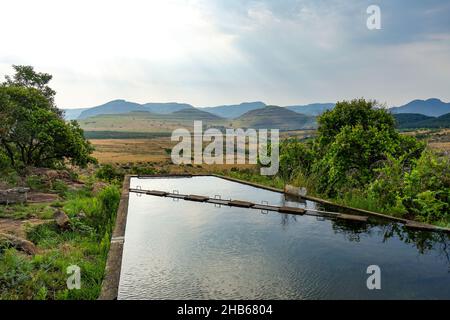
84 242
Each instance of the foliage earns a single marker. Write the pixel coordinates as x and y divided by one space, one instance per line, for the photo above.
109 173
360 159
294 157
85 243
427 188
32 131
354 139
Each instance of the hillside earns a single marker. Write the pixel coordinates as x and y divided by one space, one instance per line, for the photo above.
122 106
414 121
273 117
144 121
234 111
313 109
431 107
192 114
165 108
112 107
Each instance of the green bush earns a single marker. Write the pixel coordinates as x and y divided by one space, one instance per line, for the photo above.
427 188
140 170
360 159
109 173
60 187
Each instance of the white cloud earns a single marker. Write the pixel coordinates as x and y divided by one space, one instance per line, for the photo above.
216 52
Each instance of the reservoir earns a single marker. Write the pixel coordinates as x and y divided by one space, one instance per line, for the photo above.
179 249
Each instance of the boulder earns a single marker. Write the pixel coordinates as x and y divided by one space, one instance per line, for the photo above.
61 219
19 243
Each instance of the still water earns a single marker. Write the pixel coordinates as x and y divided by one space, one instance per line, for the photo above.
190 250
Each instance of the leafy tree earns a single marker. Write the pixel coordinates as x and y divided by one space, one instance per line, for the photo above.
32 131
352 113
294 157
354 139
25 76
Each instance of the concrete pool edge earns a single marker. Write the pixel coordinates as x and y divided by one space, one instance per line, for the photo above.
407 222
110 284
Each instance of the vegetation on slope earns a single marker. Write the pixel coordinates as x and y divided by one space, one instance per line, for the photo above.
33 135
416 121
274 117
359 159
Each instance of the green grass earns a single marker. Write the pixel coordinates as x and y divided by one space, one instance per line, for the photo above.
254 176
85 244
26 211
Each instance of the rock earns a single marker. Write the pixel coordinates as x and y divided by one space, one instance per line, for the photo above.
61 219
19 243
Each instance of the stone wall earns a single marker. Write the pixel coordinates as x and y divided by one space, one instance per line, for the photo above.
15 195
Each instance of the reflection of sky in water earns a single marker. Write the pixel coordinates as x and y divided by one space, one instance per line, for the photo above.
189 250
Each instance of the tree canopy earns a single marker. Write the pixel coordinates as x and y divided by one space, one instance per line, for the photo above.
32 130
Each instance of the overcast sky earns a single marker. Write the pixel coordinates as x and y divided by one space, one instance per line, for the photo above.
208 52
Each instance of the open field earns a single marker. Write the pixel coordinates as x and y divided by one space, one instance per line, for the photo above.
132 150
156 149
143 122
154 152
122 151
437 139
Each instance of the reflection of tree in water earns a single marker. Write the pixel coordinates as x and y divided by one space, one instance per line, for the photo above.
423 241
351 230
286 218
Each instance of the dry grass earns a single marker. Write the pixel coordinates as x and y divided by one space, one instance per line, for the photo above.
132 150
155 151
441 146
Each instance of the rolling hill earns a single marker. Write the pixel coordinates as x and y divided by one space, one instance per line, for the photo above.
274 117
122 106
431 107
313 109
234 111
192 114
416 121
166 108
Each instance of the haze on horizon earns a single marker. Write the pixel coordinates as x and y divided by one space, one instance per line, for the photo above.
213 52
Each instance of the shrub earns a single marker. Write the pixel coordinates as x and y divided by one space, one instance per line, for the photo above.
109 173
427 188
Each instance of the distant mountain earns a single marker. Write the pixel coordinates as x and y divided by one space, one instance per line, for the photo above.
73 114
234 111
192 114
431 107
416 121
165 108
313 109
112 107
274 117
122 106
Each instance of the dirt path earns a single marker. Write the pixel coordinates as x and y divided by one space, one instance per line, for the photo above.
38 197
17 227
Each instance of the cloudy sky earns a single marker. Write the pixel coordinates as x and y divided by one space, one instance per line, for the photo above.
211 52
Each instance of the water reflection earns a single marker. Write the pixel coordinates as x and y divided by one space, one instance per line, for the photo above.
190 250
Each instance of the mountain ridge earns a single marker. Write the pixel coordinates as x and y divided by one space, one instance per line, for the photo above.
432 107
